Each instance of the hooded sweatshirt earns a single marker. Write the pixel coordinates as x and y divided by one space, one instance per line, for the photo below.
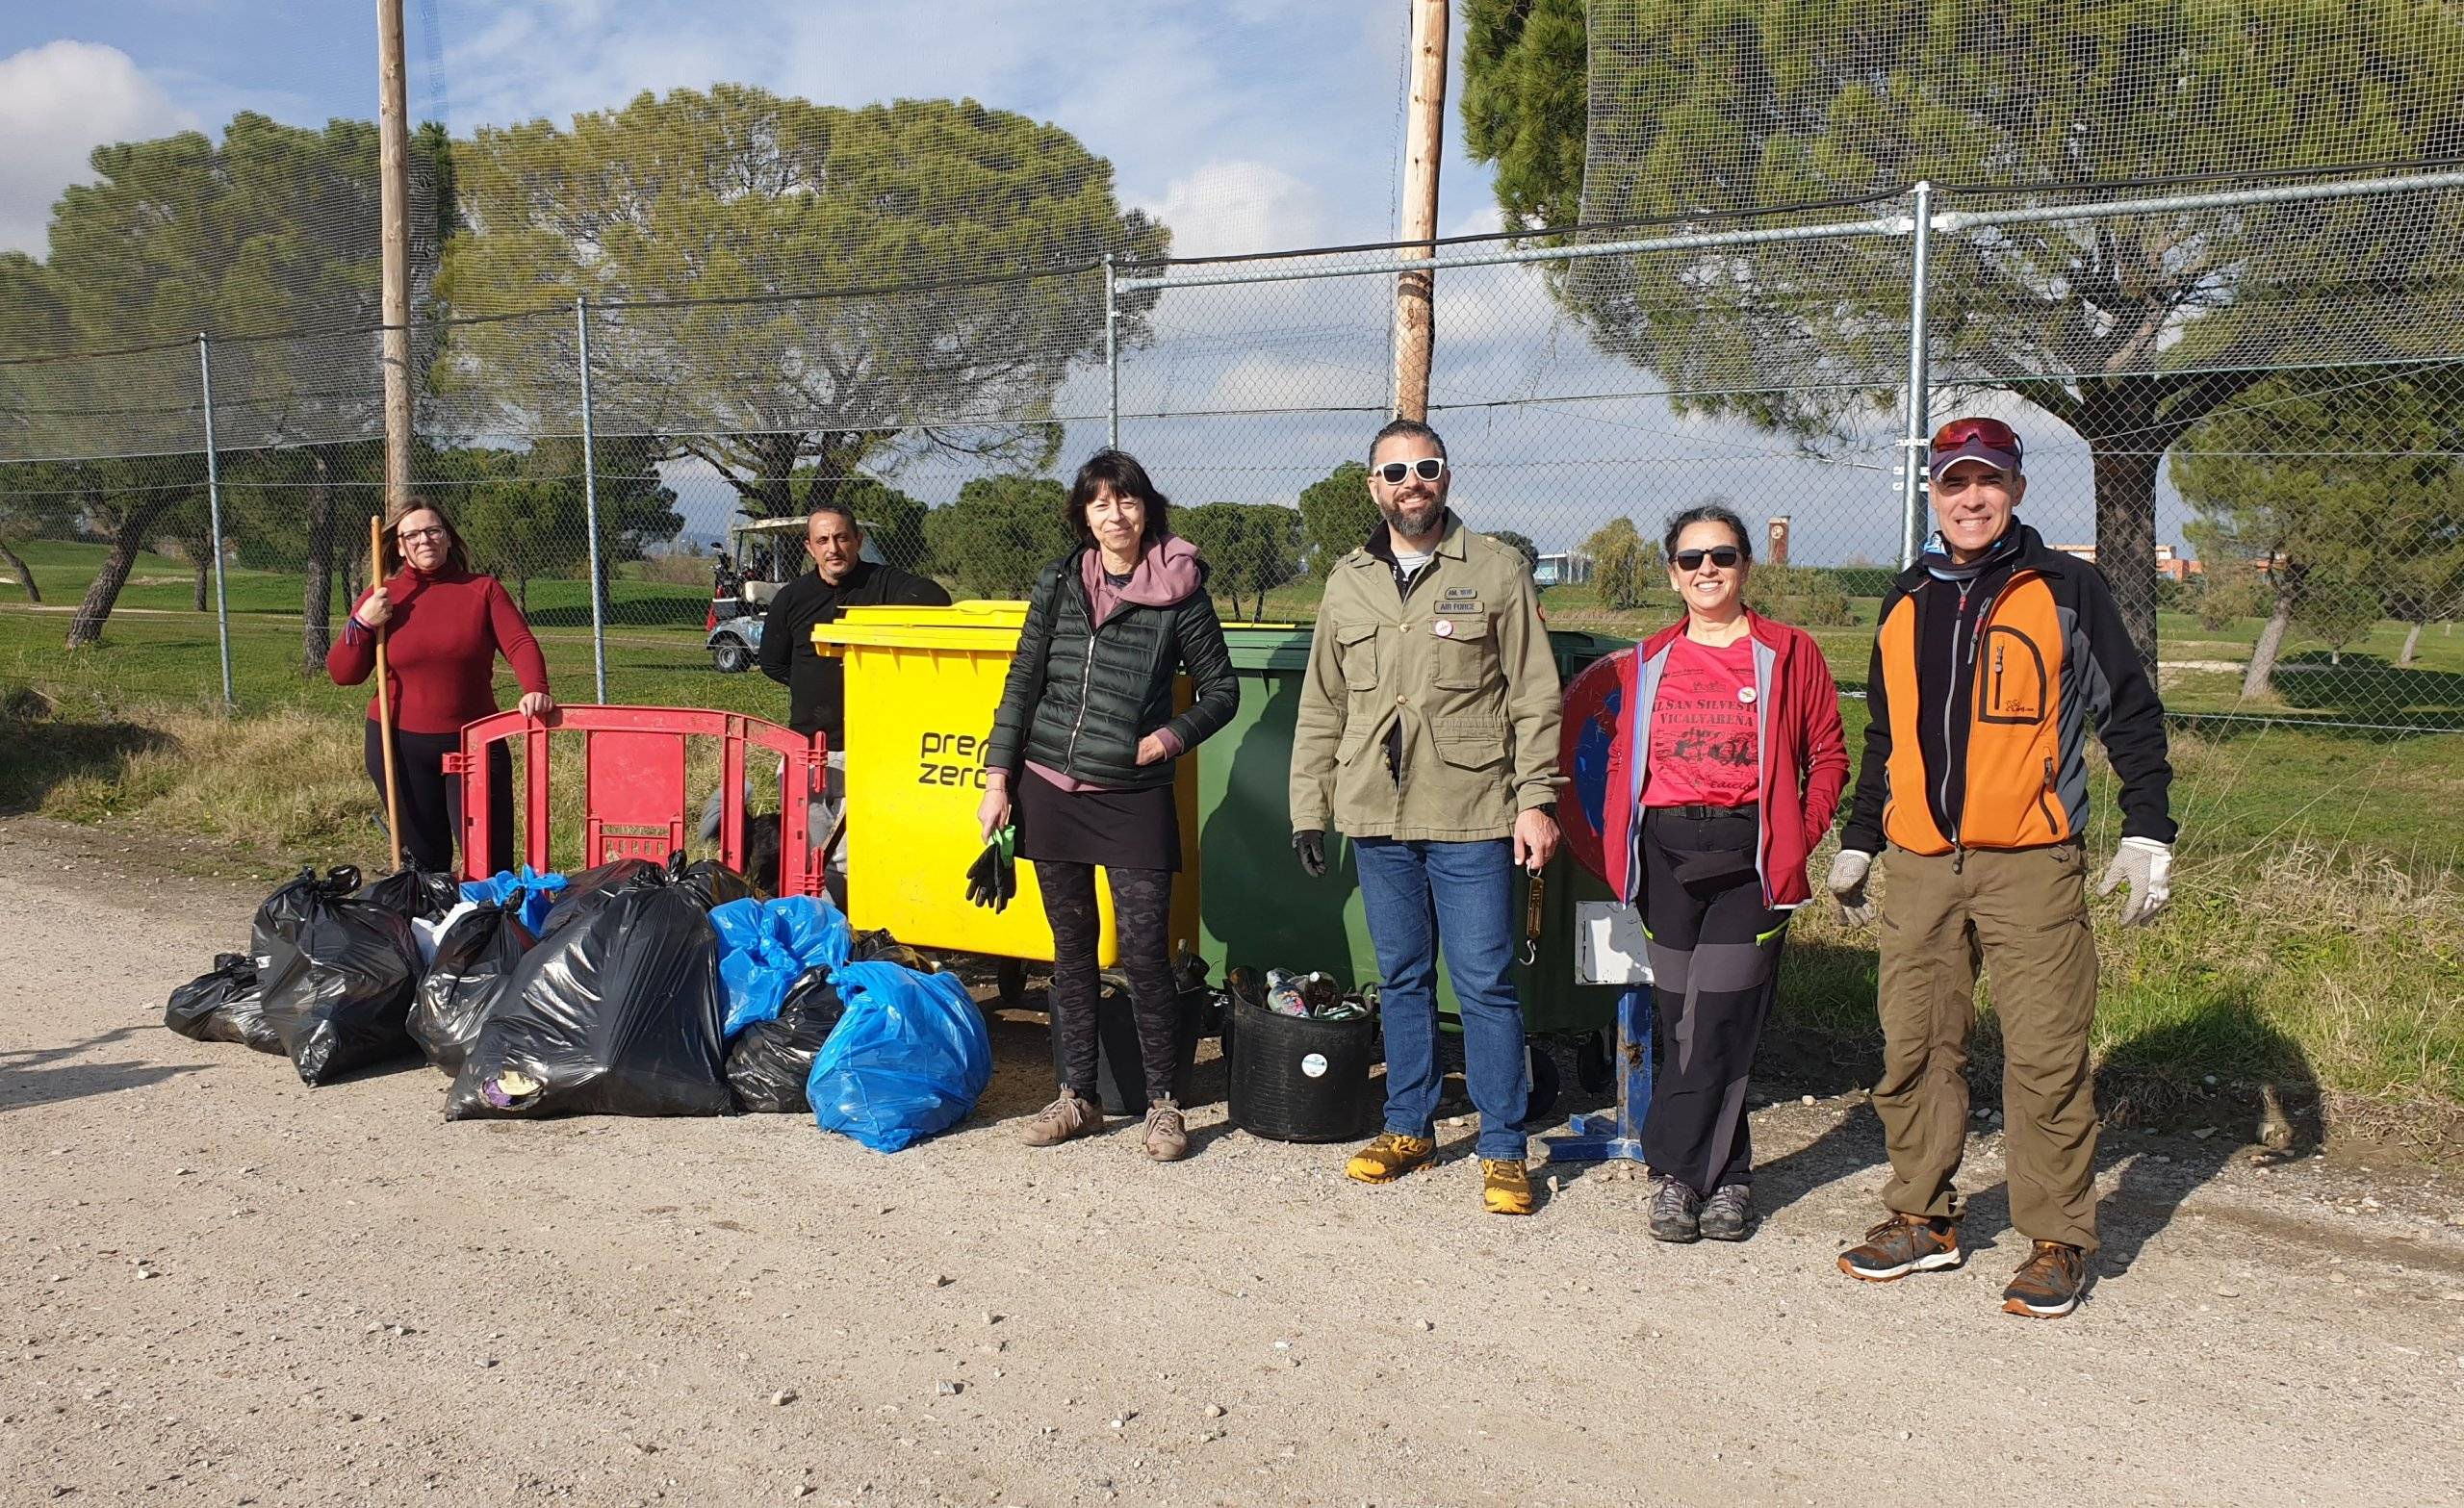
1166 573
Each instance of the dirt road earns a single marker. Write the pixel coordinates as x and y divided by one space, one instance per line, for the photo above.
221 1287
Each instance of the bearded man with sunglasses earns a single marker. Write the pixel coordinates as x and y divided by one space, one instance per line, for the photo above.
1427 734
1994 656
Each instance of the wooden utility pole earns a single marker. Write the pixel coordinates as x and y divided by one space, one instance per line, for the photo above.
393 195
1423 139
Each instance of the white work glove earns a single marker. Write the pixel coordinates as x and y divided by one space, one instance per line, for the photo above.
2146 866
1848 872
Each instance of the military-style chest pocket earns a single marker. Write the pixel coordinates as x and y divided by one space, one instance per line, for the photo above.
1356 644
1467 652
2012 675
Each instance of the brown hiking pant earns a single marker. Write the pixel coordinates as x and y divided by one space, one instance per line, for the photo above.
2022 913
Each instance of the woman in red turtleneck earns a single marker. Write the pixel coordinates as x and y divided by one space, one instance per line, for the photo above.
443 629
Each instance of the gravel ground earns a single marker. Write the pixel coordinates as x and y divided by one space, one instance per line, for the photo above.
221 1287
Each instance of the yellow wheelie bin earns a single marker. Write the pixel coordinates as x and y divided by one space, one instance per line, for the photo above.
922 685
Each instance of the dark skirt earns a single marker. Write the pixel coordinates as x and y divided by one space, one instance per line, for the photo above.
1117 829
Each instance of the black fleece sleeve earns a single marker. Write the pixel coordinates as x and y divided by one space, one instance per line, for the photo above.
788 620
2130 718
1864 830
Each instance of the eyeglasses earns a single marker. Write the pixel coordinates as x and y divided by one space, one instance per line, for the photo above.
1991 433
421 536
1428 469
1724 556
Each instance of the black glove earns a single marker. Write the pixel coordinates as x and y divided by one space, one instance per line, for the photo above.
1311 845
992 880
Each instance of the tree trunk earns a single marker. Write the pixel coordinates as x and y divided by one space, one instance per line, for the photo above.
200 553
2256 680
2126 471
2404 661
317 604
33 593
133 531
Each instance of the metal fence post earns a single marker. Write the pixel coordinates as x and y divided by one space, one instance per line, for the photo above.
214 517
590 502
1913 442
1112 355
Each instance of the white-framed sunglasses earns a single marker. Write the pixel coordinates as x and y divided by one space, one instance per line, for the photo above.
1428 469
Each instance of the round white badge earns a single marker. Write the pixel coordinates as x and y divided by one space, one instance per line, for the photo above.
1444 628
1314 1065
1745 694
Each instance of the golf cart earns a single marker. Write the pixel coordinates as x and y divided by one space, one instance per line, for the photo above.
761 557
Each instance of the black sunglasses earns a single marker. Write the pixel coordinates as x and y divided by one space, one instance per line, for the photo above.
1724 556
1428 469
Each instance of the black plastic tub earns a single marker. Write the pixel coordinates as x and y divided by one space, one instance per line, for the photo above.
1297 1079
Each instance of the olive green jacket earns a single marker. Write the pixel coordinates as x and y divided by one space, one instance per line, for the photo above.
1457 677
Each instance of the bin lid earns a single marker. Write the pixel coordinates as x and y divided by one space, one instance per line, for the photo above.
971 625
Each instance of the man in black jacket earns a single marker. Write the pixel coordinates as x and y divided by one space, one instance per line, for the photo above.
817 683
841 578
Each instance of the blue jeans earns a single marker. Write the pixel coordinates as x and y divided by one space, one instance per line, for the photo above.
1418 896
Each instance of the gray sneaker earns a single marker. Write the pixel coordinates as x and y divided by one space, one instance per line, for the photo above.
1727 1215
1065 1117
1676 1213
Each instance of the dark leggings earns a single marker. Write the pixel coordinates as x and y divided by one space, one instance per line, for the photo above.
1714 950
1141 912
432 800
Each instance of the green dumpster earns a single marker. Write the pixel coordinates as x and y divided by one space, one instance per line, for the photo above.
1256 906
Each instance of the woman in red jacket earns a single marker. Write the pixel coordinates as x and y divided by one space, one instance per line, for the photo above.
443 629
1721 778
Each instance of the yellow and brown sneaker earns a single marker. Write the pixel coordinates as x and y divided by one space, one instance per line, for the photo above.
1389 1158
1505 1185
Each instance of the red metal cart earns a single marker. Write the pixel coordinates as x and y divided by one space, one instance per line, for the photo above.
634 803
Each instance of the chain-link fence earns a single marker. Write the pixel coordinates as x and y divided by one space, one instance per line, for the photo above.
2233 399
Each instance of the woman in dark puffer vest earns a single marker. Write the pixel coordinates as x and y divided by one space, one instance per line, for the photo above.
1081 757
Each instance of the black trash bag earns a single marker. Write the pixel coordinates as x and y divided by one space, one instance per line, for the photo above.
423 895
616 1012
224 1004
878 946
594 887
475 963
339 987
281 914
771 1059
706 882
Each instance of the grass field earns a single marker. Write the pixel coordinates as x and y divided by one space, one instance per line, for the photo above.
2317 935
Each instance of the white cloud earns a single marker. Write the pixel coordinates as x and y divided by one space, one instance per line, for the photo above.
1236 206
58 102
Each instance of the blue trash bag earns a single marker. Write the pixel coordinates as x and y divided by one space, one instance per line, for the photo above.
909 1059
765 946
538 892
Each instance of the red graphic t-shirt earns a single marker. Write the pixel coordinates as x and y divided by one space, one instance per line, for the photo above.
1703 745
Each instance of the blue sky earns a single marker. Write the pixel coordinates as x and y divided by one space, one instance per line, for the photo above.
1247 124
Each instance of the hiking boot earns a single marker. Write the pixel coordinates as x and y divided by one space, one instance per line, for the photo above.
1675 1212
1390 1157
1168 1140
1903 1244
1505 1185
2047 1284
1727 1215
1065 1117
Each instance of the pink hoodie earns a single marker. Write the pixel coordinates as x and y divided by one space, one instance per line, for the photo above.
1166 573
